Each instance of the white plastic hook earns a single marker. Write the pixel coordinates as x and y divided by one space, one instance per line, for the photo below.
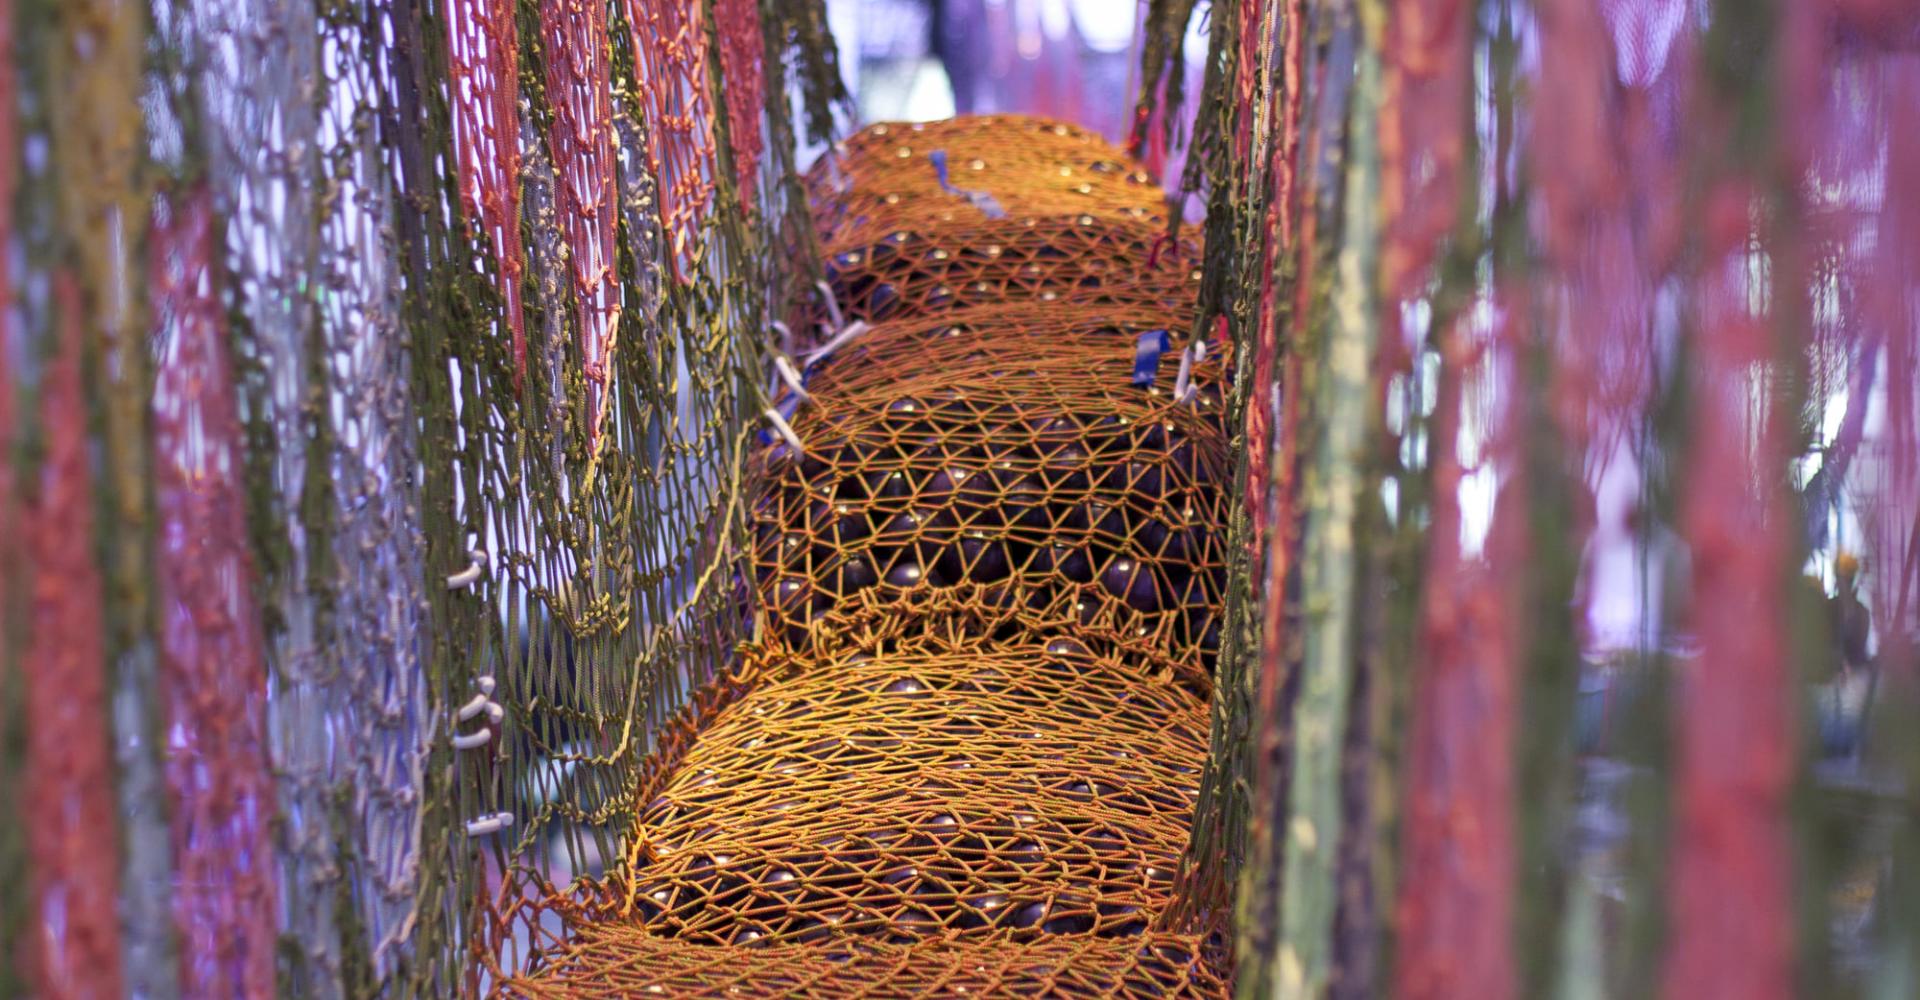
786 335
471 575
479 703
833 305
472 708
784 429
791 376
1183 384
493 823
852 330
470 741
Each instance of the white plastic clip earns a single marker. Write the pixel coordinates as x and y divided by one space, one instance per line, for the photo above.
481 703
833 305
850 331
478 704
489 824
786 336
1183 384
791 376
472 740
784 429
471 575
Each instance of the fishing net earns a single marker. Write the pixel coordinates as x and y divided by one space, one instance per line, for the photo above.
211 658
965 746
910 234
1523 284
67 783
475 518
888 177
999 447
423 418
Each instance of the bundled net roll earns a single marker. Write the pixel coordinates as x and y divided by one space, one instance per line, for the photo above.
962 754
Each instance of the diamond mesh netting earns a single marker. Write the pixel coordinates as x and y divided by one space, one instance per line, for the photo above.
1005 446
922 218
963 752
883 180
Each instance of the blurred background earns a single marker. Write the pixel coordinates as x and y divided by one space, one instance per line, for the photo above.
1078 60
918 60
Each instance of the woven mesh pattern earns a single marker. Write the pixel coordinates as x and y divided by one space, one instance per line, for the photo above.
820 799
964 752
1006 226
882 180
579 93
1153 965
1005 446
938 791
486 138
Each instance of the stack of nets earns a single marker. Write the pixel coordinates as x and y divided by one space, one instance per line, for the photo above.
963 754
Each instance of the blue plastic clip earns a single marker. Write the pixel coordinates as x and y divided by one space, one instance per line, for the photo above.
1146 356
981 200
939 158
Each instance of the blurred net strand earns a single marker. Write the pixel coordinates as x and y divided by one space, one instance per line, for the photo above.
213 676
67 783
1569 335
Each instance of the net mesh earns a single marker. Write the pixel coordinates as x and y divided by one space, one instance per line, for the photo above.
965 746
883 179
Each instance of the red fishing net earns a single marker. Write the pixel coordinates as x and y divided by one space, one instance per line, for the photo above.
213 678
670 46
580 95
737 29
482 42
68 775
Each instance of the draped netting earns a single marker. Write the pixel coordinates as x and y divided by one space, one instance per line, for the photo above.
963 751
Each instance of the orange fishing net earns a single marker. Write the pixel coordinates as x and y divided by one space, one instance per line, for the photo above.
986 211
963 755
885 179
1006 446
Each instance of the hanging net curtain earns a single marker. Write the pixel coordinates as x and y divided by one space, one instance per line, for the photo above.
383 374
